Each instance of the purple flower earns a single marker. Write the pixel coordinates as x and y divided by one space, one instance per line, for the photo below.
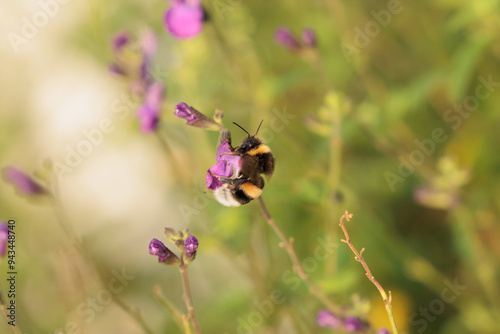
309 37
327 319
182 110
284 37
184 19
165 255
354 324
120 40
194 117
24 184
190 245
225 163
149 111
4 236
383 330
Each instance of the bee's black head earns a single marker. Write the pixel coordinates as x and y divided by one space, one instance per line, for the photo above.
248 144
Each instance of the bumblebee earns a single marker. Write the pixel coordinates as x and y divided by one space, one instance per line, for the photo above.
255 159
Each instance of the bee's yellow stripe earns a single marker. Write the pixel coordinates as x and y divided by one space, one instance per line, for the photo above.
259 150
251 190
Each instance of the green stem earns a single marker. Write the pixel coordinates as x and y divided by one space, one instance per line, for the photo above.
187 297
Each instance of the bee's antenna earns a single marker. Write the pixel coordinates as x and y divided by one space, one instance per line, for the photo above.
258 128
242 128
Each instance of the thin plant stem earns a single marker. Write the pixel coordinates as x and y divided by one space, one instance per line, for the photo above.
287 244
171 309
359 257
15 328
187 297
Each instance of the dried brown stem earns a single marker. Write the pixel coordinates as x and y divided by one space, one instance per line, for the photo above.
359 257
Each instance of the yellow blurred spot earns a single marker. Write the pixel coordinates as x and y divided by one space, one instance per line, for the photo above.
401 307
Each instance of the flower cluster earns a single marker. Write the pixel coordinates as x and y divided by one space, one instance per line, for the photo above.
187 244
134 62
184 19
284 37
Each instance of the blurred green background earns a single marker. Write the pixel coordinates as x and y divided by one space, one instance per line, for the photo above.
394 117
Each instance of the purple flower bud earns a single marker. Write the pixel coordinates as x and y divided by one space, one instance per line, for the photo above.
354 324
327 319
383 330
184 19
190 245
24 184
165 255
284 37
4 236
194 117
182 110
149 111
120 40
309 38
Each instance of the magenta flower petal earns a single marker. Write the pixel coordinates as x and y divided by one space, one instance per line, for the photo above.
4 236
182 110
383 330
309 37
194 117
354 324
22 181
184 19
148 44
120 40
327 319
226 166
149 111
284 37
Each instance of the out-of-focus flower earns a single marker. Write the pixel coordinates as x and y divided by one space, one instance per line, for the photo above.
184 19
284 37
309 37
120 40
383 330
133 59
4 236
194 117
149 111
23 183
165 255
225 163
354 324
327 319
